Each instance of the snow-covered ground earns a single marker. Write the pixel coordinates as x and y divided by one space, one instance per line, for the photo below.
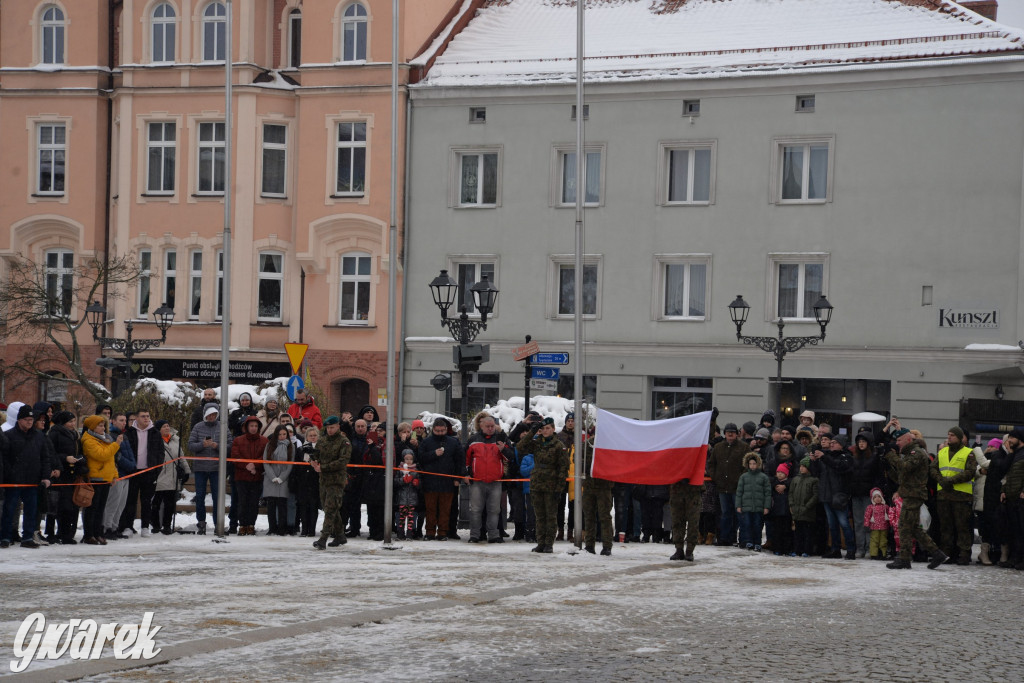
494 612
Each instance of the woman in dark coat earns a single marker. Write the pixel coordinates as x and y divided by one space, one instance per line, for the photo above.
866 475
305 483
64 437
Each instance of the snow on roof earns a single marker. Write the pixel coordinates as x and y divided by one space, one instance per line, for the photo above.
534 41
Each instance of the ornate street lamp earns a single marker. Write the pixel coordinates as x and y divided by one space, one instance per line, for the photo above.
96 315
779 346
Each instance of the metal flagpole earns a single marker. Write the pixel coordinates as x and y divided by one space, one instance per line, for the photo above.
581 189
389 439
225 322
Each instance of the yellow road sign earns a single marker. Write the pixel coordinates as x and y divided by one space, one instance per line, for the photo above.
296 352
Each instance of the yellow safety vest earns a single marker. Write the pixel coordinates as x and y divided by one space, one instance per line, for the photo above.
949 468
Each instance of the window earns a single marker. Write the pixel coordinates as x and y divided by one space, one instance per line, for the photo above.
52 35
170 277
60 276
275 138
195 287
680 396
145 283
803 170
805 103
160 158
211 158
799 281
567 387
586 112
270 287
682 287
478 114
353 40
688 172
52 152
214 27
565 170
220 284
351 178
483 389
478 178
294 38
562 294
355 288
468 274
164 25
691 107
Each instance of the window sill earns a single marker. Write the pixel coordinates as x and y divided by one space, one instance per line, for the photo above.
477 206
790 202
48 195
686 204
585 206
267 323
350 326
281 197
348 196
208 195
160 195
681 319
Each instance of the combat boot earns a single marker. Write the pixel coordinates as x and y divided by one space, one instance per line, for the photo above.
689 553
338 540
938 557
898 563
678 555
983 557
201 528
319 544
591 549
548 549
538 549
606 550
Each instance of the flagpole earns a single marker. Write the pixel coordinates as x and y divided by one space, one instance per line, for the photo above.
581 188
225 322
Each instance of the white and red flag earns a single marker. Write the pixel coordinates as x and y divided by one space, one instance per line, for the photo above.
651 452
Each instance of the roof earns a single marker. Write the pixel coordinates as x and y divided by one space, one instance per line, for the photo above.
534 41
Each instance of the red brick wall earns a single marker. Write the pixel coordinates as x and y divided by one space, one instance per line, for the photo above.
327 367
986 8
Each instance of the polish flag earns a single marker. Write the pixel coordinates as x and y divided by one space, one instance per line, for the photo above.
650 452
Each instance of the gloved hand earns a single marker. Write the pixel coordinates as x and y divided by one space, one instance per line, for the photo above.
407 478
416 482
277 480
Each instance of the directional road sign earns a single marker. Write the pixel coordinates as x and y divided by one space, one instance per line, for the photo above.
550 358
524 351
544 373
544 384
294 384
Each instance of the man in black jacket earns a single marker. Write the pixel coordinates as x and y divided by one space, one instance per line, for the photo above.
26 462
353 499
440 459
148 446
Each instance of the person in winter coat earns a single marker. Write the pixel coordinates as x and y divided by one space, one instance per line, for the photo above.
117 496
204 442
652 504
374 484
753 501
866 475
911 466
237 417
803 506
270 417
486 453
876 521
954 469
597 504
28 462
305 482
566 436
170 480
1012 495
781 530
251 445
407 494
64 437
992 525
835 468
725 466
335 451
440 459
209 396
515 489
279 454
144 439
305 407
99 451
550 469
353 500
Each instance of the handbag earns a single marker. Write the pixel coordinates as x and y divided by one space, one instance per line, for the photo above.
83 493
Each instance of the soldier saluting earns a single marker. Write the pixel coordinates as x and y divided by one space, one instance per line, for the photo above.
335 451
551 467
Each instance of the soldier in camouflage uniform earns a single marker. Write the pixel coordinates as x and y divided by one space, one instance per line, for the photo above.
335 452
551 467
912 466
597 504
685 500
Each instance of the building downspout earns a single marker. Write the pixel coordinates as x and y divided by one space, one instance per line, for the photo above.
302 301
399 399
109 165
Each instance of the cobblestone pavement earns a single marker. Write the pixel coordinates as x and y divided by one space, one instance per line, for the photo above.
501 613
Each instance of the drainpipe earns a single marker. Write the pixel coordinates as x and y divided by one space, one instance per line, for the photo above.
302 301
399 403
109 153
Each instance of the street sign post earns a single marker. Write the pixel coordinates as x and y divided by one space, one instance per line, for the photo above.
545 373
544 384
294 384
525 351
561 358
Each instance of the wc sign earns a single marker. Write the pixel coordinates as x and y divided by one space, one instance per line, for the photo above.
82 639
972 318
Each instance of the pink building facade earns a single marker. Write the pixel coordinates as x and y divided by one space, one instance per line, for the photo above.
113 136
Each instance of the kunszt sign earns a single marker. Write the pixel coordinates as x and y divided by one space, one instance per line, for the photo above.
969 318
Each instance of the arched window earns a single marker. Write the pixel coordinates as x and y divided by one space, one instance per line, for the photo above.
294 39
353 38
214 32
164 28
52 35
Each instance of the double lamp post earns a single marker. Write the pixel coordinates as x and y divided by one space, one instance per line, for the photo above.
96 315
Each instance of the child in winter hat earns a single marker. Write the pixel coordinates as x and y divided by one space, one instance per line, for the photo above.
876 519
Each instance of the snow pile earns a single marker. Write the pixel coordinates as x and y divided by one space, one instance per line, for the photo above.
169 391
178 393
510 412
991 347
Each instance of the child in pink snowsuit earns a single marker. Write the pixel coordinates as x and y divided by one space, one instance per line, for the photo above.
876 519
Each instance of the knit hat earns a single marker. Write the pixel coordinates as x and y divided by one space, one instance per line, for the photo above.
25 411
416 424
729 427
331 420
210 409
158 425
806 462
995 443
784 468
65 416
841 440
93 421
763 433
1018 434
382 427
879 492
749 427
409 451
956 431
769 417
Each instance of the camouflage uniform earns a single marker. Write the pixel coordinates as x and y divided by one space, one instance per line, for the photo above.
335 453
955 509
686 506
551 467
597 503
912 466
